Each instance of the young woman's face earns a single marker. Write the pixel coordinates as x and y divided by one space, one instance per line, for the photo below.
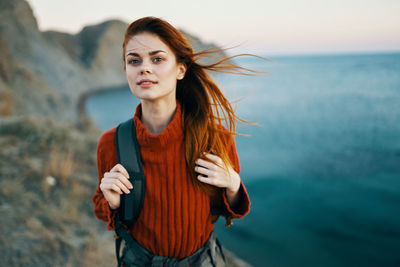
151 68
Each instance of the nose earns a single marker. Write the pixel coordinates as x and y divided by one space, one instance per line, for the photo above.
146 68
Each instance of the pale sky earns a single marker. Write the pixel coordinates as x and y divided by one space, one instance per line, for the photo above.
266 27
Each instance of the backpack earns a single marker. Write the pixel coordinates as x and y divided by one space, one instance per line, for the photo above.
129 156
131 204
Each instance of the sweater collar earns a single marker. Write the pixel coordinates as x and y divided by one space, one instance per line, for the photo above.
172 133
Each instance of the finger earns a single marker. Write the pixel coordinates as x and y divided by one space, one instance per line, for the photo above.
204 179
122 186
116 182
213 158
116 189
110 186
118 167
119 176
124 180
206 164
204 171
113 187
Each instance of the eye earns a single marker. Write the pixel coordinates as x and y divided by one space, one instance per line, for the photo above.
133 61
157 59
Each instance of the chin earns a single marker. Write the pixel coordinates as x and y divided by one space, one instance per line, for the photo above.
143 94
147 97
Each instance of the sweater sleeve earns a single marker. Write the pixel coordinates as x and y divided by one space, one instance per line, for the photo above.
105 161
243 205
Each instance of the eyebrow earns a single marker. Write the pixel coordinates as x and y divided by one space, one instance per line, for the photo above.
151 53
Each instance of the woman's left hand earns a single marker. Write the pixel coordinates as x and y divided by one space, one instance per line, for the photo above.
212 174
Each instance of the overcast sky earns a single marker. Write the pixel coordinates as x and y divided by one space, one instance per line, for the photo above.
267 27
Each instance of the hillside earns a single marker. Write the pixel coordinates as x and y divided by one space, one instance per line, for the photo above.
47 157
46 73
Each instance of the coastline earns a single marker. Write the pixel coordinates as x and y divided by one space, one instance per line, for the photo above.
84 119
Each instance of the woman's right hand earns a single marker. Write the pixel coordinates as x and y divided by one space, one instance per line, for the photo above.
114 183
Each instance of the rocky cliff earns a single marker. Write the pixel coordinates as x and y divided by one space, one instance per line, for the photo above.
47 162
46 73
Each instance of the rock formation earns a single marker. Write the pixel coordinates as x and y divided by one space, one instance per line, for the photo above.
47 164
47 72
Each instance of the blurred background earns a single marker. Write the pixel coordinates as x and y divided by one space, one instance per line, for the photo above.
322 168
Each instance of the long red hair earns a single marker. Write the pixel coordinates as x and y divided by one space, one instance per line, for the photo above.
205 108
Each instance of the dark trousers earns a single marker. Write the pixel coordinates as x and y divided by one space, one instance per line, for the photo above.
210 254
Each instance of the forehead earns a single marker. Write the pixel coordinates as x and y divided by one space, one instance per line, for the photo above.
146 42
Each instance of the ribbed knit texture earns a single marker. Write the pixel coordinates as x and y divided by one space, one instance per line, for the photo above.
175 219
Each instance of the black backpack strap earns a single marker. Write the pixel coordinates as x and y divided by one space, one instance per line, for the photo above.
121 234
131 204
129 157
118 240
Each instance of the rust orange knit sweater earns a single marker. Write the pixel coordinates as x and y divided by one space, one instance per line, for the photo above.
175 219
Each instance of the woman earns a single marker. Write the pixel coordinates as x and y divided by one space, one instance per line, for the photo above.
189 158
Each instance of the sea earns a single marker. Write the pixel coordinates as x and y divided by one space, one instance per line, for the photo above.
322 163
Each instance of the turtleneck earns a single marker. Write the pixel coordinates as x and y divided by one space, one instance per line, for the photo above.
171 134
175 219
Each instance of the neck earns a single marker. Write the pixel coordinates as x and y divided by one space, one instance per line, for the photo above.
157 115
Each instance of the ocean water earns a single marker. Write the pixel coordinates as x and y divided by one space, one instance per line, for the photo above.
322 168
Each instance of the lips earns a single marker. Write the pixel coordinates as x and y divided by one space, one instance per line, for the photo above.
146 82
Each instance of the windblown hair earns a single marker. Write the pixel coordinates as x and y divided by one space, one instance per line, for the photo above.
208 116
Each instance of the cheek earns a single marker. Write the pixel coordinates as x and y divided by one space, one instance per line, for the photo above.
131 78
130 73
170 72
